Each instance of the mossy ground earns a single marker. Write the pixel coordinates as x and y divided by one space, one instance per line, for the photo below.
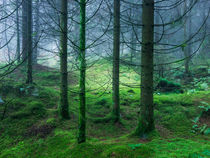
32 127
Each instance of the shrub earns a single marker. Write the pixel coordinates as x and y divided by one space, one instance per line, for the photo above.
101 102
34 108
167 86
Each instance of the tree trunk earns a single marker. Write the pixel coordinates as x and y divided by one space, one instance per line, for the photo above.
37 33
29 42
116 56
133 46
64 106
157 56
18 31
187 49
146 120
24 29
82 60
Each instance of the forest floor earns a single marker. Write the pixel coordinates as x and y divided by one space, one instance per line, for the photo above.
31 127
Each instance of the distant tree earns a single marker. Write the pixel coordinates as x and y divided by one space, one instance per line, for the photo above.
36 30
28 46
24 29
18 30
187 33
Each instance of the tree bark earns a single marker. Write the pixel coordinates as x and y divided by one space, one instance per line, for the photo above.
116 58
146 120
24 29
37 33
82 61
187 48
18 31
29 43
64 106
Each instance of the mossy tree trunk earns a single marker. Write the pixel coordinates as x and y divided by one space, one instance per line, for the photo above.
146 120
82 60
64 106
116 58
29 49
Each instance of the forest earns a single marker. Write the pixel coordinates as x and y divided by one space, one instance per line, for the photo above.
104 78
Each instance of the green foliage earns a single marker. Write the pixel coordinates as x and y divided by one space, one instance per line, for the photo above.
110 140
207 131
197 128
48 78
173 115
49 96
134 146
6 88
52 122
195 155
205 107
34 108
205 153
167 86
102 102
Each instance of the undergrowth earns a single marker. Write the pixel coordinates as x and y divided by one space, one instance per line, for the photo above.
31 126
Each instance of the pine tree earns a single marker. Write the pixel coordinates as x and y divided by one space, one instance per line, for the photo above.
29 42
82 60
64 106
116 59
146 120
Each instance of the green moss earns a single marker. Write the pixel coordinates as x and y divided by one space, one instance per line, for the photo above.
52 122
49 96
34 108
173 114
168 86
47 78
86 150
125 151
177 147
177 123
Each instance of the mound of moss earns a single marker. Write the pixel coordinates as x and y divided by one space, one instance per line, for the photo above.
168 86
130 151
34 108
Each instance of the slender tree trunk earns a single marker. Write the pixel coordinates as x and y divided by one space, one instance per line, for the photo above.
29 42
158 56
186 48
18 31
64 106
146 120
5 32
133 42
37 33
82 60
116 58
24 29
133 46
